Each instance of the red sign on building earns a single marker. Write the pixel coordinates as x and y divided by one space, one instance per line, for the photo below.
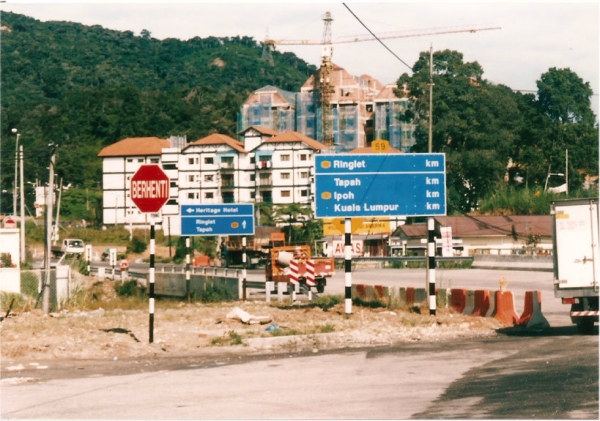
150 188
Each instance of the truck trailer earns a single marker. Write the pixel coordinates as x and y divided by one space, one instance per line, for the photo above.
576 258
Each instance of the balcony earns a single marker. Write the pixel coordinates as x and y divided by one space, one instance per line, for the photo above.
264 165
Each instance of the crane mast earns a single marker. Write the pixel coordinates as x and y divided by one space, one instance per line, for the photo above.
324 86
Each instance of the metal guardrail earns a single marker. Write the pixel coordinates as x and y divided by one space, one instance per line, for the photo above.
136 274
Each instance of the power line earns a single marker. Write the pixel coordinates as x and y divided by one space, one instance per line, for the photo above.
375 36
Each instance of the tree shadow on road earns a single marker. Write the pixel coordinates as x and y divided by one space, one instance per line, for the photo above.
550 331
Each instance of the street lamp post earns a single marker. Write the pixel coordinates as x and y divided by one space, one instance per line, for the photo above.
16 183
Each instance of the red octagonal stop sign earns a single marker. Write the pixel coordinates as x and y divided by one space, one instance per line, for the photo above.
150 188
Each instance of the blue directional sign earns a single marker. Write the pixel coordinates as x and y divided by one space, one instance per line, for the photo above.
218 219
352 185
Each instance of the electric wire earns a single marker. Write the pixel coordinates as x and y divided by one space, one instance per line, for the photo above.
375 36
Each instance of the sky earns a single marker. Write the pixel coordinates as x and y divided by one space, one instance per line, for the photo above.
534 36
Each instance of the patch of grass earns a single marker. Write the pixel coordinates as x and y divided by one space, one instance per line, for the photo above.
283 331
370 304
127 288
232 338
215 293
324 302
327 328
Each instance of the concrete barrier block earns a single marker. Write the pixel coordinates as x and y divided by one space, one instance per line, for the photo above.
458 299
481 303
505 308
469 302
421 295
532 316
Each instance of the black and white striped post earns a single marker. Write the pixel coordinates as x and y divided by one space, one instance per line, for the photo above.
348 265
187 268
151 281
431 264
244 266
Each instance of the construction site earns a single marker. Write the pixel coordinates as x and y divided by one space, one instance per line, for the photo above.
342 111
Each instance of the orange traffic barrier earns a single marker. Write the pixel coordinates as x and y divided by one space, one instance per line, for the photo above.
482 303
532 314
361 291
458 299
505 308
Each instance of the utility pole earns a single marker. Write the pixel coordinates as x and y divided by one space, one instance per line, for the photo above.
23 256
431 264
48 248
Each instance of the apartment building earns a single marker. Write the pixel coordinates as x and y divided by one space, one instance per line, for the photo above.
265 166
362 110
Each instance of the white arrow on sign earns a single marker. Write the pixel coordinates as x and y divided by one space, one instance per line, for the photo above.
189 210
244 224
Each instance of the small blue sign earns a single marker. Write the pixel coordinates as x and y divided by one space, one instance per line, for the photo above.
218 219
351 185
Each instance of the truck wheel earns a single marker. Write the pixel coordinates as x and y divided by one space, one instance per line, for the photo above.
585 326
320 287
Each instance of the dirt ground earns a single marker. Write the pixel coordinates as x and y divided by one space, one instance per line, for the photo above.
182 329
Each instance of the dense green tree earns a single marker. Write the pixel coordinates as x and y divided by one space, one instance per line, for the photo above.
474 124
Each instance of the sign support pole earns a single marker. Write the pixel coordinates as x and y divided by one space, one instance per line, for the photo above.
151 281
431 264
244 266
348 265
187 268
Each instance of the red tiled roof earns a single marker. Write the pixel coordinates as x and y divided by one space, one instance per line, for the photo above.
219 139
290 136
136 146
261 130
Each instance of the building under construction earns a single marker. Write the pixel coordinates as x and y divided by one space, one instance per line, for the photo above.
357 111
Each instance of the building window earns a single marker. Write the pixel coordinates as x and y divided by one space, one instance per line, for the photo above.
252 195
285 193
304 174
154 160
209 160
252 177
285 175
303 157
169 166
191 196
252 160
140 159
191 161
209 178
304 193
209 195
130 160
285 158
191 178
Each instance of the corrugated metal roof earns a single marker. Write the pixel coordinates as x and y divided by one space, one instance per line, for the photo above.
521 225
136 146
219 139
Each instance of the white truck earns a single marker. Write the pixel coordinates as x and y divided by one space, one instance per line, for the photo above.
69 247
576 258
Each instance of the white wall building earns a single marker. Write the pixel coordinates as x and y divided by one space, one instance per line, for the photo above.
265 167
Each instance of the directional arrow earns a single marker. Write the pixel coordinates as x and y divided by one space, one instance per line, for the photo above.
244 224
189 210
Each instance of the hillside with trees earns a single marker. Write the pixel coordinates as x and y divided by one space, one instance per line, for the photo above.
85 87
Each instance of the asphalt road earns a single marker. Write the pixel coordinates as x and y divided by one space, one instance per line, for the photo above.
521 374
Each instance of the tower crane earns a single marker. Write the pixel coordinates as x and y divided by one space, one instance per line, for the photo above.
325 88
